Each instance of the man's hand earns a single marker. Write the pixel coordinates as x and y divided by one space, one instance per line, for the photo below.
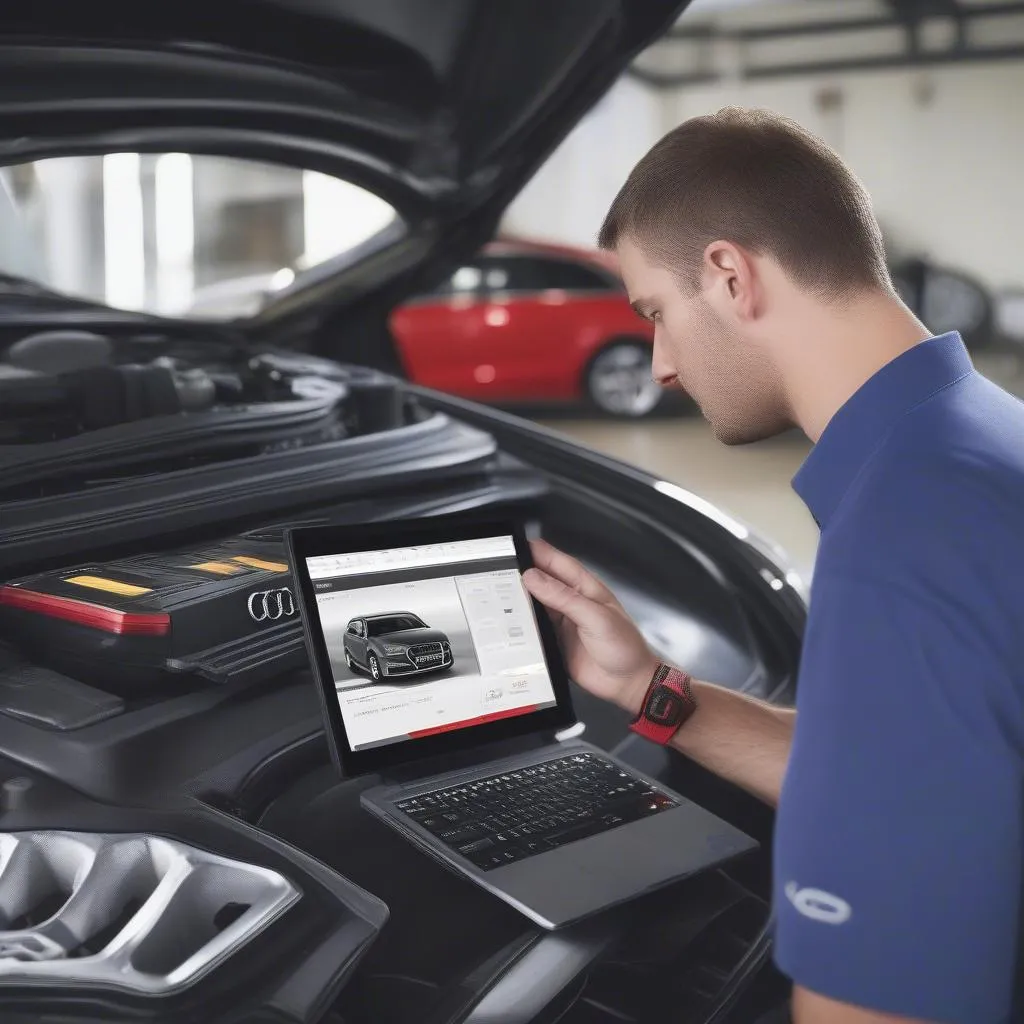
603 649
742 739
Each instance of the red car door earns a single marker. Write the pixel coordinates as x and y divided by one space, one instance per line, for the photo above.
521 343
547 320
511 326
528 329
436 333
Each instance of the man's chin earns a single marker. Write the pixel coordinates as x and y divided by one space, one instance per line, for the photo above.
732 439
734 434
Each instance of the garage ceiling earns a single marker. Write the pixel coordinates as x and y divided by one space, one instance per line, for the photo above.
747 39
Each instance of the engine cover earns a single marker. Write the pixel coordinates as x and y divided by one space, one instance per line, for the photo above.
202 614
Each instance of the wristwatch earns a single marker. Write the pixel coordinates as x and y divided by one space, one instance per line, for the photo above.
667 704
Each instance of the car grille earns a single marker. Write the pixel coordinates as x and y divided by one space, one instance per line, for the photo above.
424 655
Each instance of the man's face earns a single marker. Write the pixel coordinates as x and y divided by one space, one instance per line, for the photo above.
696 347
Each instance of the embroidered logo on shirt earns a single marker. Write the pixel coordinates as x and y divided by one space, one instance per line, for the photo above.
818 905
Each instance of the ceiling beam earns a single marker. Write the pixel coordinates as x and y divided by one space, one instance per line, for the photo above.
911 13
915 10
907 14
922 59
667 80
827 26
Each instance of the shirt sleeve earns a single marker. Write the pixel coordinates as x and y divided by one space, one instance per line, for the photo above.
899 840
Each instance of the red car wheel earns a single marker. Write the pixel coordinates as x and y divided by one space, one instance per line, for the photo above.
618 380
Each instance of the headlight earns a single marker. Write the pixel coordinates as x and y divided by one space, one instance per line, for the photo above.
393 649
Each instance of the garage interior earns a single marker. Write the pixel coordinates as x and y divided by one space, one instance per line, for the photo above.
331 264
917 95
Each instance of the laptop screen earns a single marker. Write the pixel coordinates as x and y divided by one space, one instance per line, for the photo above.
429 638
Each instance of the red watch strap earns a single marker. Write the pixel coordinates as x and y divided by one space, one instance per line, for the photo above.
667 704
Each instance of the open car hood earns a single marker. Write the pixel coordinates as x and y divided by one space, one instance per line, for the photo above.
445 108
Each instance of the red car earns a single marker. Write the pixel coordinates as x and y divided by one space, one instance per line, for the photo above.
529 322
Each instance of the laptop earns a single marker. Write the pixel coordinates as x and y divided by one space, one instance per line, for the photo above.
439 672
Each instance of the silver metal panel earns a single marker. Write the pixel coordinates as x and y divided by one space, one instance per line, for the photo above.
135 912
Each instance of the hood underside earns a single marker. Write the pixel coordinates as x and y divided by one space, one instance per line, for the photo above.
440 106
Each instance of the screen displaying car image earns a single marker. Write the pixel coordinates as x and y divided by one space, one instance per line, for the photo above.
429 638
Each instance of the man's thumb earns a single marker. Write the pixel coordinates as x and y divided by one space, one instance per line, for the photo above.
560 598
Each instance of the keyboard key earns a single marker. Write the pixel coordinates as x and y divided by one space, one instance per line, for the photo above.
522 813
463 835
479 846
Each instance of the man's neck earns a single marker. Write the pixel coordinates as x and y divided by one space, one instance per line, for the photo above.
840 350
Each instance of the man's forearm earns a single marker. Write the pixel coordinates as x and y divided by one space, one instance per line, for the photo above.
740 738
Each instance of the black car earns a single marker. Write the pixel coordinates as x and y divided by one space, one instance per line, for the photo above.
174 842
394 644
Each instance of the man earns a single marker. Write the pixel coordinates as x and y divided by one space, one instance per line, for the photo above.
899 777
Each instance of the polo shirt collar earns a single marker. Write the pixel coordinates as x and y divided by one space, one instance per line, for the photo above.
867 417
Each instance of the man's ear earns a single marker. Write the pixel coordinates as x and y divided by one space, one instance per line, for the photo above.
731 280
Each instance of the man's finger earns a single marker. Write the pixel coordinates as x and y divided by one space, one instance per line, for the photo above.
565 568
554 594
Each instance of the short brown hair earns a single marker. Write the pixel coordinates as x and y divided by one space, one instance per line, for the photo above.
761 181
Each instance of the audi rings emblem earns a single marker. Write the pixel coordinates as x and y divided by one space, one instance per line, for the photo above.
271 605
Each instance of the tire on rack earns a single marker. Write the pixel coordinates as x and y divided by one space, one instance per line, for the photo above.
617 381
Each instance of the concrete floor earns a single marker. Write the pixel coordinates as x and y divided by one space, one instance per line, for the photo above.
752 483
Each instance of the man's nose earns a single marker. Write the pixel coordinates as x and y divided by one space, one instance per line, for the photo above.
662 368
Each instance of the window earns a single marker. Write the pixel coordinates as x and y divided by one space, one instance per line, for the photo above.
393 624
488 275
535 274
466 280
514 274
177 234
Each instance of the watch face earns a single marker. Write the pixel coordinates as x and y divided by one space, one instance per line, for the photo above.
664 706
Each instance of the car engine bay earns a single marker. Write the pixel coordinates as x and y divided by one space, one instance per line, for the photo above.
174 842
80 402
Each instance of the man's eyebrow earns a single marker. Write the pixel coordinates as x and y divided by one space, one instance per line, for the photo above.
642 308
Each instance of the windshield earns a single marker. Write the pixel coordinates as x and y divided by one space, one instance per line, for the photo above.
392 624
176 234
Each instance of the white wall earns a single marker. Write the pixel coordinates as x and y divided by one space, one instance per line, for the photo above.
568 199
941 152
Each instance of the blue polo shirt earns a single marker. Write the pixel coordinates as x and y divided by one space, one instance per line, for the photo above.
899 841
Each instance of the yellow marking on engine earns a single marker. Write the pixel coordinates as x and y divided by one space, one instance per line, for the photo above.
111 586
221 568
260 563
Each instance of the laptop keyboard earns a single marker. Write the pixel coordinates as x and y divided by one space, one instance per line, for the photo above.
518 814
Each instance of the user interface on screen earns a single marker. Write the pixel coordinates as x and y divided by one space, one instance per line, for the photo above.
429 638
